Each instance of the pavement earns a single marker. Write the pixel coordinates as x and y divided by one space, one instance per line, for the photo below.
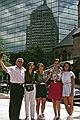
49 114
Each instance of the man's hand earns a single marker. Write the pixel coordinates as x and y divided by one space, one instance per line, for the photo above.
1 58
1 55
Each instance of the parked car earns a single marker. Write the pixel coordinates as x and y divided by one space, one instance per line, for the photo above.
77 96
4 87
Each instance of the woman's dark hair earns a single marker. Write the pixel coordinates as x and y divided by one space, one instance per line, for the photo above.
69 66
27 68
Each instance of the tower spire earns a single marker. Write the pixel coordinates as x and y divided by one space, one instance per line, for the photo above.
45 2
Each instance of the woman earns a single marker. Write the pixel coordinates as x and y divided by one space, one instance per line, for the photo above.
41 90
68 88
29 95
55 87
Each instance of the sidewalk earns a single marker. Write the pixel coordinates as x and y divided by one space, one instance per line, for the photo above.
4 108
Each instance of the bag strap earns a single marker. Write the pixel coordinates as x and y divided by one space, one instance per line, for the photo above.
32 77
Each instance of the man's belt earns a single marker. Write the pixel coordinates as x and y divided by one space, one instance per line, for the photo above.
17 84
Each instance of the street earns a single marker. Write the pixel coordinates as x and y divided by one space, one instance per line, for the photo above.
49 114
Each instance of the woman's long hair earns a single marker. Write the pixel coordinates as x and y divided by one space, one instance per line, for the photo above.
69 66
27 68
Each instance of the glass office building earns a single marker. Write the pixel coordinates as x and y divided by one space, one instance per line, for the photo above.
15 20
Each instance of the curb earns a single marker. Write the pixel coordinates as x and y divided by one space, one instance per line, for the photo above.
4 96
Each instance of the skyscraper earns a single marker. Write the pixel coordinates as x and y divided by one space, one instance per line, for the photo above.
43 30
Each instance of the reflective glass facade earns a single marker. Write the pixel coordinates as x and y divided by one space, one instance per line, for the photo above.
68 16
15 19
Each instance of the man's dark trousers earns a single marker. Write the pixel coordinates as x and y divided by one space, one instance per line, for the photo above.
16 96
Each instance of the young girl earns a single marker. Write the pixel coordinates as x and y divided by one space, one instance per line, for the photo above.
68 88
41 91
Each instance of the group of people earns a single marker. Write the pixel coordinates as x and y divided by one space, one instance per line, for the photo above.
33 85
61 88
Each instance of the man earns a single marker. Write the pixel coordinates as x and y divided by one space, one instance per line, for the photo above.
17 74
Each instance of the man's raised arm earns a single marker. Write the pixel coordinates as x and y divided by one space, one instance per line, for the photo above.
3 65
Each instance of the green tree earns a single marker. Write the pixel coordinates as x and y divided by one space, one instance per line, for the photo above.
5 53
35 54
5 56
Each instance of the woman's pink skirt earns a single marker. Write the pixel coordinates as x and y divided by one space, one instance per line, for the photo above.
55 91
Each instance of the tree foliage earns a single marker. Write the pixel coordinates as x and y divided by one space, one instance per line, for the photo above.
5 53
5 56
35 54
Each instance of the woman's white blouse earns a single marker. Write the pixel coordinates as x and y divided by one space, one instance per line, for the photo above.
66 76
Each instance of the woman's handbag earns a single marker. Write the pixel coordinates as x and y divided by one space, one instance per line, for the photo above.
29 87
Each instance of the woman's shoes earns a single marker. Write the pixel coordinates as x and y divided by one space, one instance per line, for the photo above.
56 118
69 117
32 119
27 118
41 117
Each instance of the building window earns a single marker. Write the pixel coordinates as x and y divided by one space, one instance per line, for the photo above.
64 56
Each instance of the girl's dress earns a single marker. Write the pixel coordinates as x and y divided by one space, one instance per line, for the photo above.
66 80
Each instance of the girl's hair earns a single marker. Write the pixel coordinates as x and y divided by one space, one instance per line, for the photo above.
69 66
27 68
40 64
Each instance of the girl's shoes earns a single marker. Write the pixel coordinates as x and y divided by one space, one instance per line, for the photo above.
41 117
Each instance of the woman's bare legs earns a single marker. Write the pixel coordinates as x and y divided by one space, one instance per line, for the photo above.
37 105
54 108
68 102
58 108
43 105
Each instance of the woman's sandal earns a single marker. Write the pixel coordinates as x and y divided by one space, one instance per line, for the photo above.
54 118
58 118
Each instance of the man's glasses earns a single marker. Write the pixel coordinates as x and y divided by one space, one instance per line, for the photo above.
20 61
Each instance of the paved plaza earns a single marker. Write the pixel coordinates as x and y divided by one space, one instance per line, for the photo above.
4 108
